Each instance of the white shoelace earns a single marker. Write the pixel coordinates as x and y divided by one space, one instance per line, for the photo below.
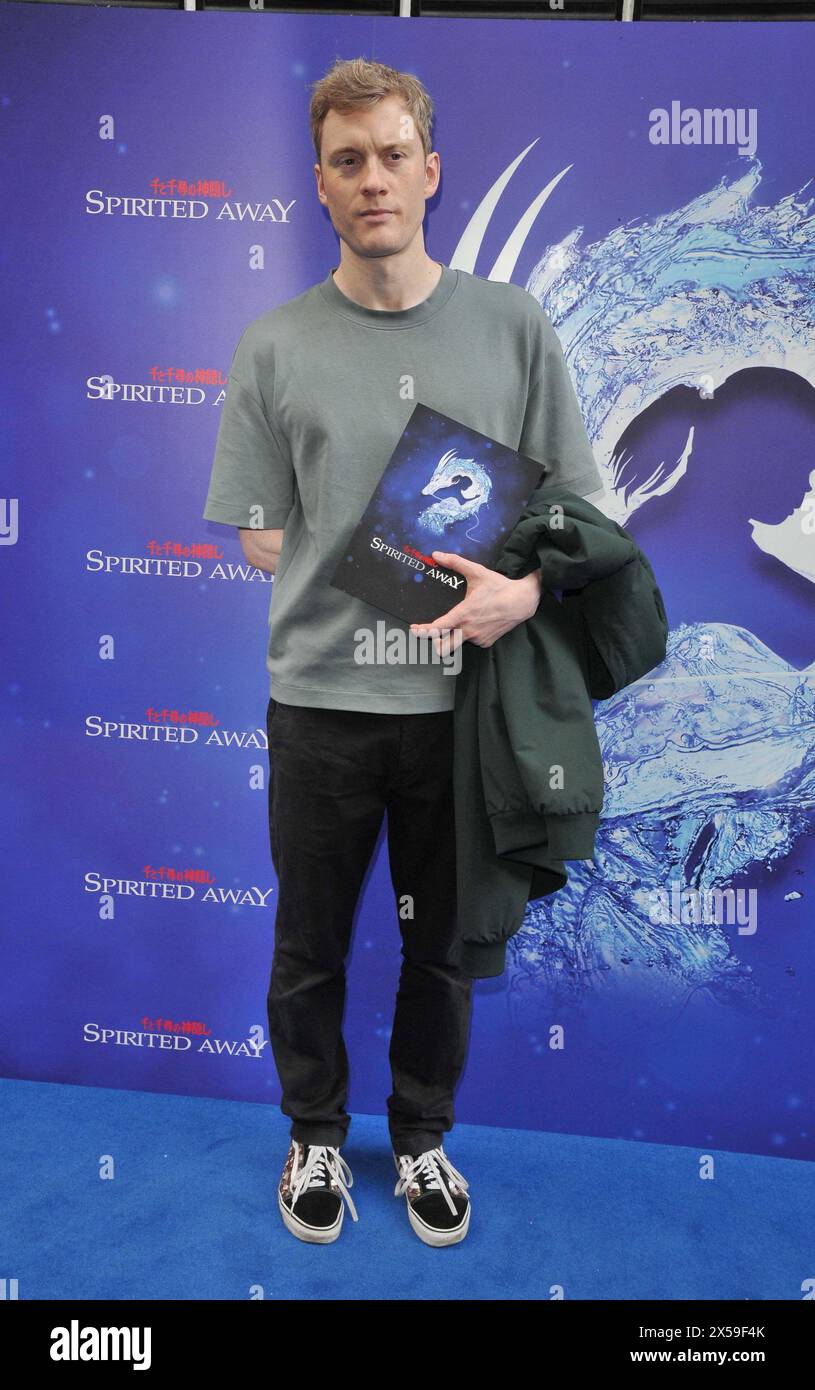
431 1165
322 1161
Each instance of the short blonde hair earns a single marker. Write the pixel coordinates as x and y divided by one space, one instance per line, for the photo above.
356 83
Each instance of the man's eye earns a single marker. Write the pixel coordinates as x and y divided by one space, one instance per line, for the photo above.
350 159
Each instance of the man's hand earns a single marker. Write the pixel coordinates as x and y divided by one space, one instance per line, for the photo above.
493 606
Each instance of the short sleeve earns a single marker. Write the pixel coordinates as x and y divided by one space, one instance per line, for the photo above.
252 480
554 433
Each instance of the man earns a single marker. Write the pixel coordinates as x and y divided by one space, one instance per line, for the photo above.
320 390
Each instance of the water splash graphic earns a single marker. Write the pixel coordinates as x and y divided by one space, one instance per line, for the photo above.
710 770
688 298
708 762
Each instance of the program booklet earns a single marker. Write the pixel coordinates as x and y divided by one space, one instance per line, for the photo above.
446 487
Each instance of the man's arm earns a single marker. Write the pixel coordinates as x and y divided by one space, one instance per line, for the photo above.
261 548
252 484
553 429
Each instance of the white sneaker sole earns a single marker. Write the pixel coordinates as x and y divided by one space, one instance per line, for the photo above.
315 1235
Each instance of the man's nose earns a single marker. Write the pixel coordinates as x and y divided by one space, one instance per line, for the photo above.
373 175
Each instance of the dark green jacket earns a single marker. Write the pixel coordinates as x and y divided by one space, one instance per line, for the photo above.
528 772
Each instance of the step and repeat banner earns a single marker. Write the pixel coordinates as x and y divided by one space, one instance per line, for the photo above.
651 186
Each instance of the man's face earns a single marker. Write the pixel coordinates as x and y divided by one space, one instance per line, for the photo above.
374 158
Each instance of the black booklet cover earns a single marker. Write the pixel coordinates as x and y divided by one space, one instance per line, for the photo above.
446 487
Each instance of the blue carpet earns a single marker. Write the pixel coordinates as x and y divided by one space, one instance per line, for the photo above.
192 1211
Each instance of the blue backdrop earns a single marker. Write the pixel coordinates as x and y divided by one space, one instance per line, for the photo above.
161 196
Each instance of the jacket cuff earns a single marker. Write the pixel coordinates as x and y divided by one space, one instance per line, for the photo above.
553 838
483 959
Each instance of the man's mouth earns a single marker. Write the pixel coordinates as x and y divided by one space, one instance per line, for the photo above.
375 213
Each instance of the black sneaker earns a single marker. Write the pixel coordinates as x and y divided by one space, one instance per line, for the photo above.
310 1195
437 1201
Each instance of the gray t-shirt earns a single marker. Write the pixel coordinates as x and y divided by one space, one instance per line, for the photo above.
320 389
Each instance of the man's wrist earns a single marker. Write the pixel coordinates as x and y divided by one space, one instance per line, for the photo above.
528 591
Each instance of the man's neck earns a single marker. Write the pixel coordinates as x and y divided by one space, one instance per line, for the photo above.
377 289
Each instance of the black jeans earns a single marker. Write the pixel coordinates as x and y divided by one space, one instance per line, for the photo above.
332 775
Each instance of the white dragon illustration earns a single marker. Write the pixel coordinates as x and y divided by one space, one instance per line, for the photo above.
450 470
